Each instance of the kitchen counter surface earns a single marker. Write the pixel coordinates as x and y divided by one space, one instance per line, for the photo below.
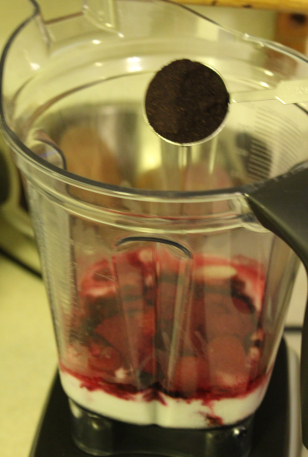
28 353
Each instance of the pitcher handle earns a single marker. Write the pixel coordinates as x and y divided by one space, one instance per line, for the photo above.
281 205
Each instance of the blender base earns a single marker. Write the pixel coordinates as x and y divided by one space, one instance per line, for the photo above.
102 436
273 431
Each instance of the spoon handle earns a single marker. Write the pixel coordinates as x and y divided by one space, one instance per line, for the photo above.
295 91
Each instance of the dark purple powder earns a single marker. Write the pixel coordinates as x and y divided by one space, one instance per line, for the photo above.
186 102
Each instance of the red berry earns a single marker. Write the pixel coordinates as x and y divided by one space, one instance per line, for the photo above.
141 322
146 283
75 358
227 364
104 358
98 283
242 305
142 328
114 331
133 282
220 324
133 336
165 301
168 261
191 374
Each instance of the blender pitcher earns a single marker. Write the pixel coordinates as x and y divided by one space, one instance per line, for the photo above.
167 282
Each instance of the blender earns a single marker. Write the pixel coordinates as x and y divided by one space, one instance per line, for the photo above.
168 279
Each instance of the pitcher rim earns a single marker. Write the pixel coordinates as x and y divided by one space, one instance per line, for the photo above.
117 190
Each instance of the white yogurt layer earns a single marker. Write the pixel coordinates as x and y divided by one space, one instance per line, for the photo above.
176 412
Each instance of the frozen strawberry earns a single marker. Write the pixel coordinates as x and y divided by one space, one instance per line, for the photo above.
165 301
245 276
135 312
134 279
135 256
113 331
132 335
227 364
103 358
215 316
214 274
208 260
130 291
243 305
219 324
135 261
142 327
249 323
193 341
100 271
77 317
132 304
169 261
145 256
195 310
130 281
199 342
221 301
98 282
191 375
103 294
180 319
226 318
149 279
144 322
226 351
75 358
170 291
197 323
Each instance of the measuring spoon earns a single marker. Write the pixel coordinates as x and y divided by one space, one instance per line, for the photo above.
287 92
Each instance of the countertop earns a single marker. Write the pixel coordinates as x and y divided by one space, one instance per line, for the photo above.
27 354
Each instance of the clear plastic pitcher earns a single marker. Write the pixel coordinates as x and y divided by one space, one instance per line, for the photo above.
168 296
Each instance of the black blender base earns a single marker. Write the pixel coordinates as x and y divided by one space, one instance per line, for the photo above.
103 436
272 432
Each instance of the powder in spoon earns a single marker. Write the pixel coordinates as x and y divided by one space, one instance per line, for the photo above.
186 102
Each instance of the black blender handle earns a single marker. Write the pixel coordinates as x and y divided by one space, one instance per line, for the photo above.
281 205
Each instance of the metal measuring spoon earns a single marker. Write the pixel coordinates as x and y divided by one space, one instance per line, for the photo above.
295 91
187 102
